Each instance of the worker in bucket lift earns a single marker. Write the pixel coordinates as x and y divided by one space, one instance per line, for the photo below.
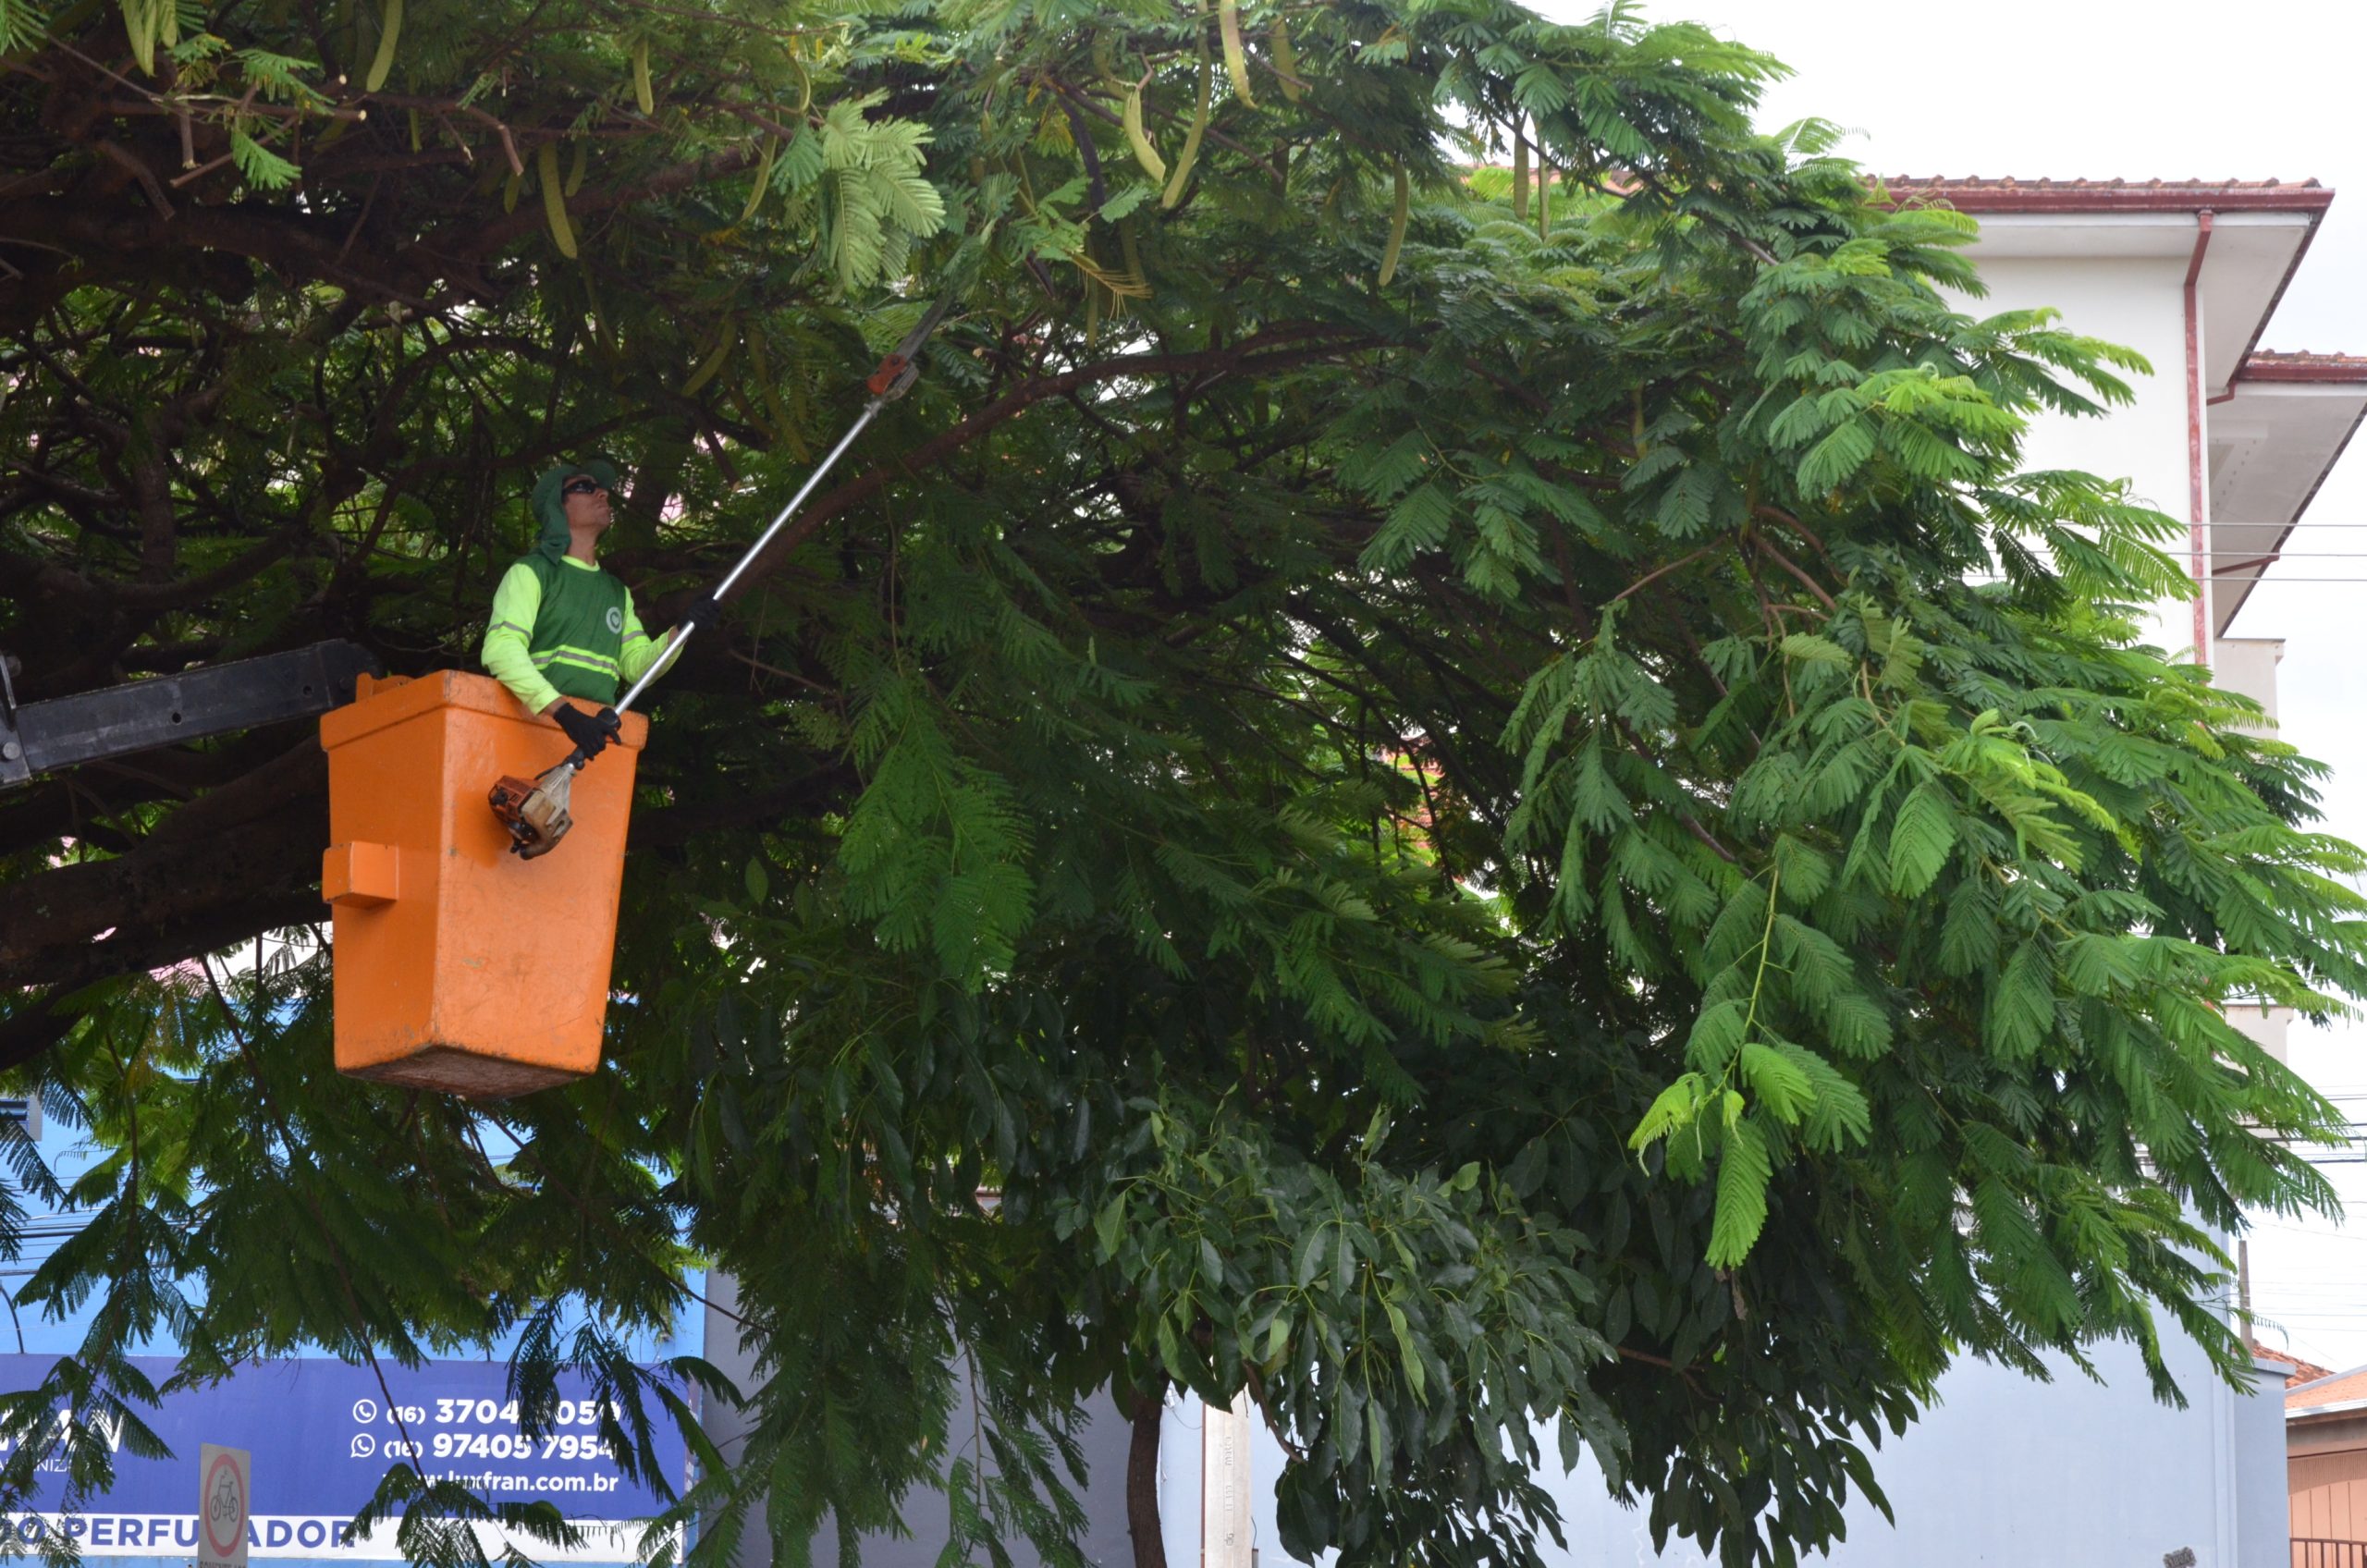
561 626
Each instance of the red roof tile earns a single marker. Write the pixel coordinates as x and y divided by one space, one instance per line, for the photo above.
2341 1387
1976 194
2303 1371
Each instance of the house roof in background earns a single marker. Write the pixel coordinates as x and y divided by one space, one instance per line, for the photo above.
2239 241
2303 1371
2300 364
2284 424
2259 231
1978 194
2339 1389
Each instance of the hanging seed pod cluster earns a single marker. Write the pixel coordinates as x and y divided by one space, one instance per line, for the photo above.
1147 96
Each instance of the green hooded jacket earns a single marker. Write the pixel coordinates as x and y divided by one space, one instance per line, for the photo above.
561 626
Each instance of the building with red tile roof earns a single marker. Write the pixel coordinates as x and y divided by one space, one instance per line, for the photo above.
2326 1458
2189 272
2303 1371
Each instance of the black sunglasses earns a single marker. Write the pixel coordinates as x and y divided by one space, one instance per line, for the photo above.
581 487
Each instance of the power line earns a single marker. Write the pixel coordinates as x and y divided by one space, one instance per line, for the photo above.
2313 1235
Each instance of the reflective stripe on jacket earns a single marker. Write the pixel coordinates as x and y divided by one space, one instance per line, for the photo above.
564 629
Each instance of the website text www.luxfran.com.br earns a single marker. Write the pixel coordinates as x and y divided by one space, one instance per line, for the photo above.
541 1486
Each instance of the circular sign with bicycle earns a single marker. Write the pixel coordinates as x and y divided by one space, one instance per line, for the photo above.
222 1506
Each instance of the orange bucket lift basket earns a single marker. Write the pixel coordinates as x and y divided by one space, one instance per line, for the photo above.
460 966
457 966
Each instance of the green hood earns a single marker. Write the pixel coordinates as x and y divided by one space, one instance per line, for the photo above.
550 509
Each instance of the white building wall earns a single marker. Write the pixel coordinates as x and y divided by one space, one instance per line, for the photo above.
2009 1473
2249 665
2137 302
2004 1473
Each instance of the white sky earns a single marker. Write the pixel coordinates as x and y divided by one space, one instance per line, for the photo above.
2172 90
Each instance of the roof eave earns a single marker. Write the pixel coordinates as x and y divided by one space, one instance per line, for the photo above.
2350 374
2347 373
2310 200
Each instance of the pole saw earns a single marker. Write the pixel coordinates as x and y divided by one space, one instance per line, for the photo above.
535 810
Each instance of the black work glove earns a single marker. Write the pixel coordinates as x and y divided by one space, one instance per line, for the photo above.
707 612
590 733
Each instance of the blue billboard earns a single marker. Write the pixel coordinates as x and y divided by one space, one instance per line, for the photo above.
321 1434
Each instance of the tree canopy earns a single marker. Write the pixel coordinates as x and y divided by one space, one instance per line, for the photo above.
1445 769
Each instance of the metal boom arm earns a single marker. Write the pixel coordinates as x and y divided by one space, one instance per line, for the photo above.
119 720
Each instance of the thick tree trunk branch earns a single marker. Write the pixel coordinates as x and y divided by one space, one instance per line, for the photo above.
33 1027
1148 1415
102 237
244 859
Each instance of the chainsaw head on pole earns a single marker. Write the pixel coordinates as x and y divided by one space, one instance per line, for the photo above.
535 810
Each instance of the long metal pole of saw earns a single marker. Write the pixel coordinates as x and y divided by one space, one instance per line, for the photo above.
870 412
890 382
